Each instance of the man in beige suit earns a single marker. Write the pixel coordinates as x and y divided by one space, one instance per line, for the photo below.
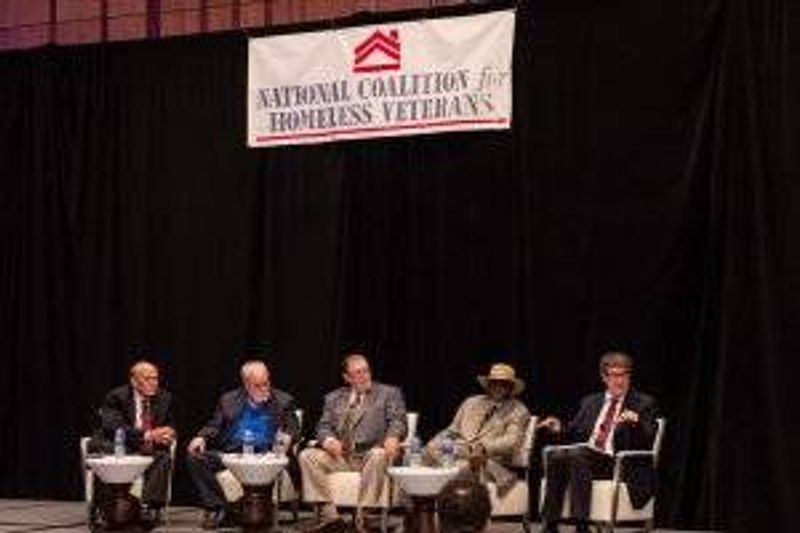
361 427
488 427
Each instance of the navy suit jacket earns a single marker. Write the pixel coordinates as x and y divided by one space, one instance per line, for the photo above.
119 410
280 406
640 477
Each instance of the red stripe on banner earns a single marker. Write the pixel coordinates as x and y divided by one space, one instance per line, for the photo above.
377 47
378 36
376 68
419 125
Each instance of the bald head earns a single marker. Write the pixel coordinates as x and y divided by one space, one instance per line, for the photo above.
144 377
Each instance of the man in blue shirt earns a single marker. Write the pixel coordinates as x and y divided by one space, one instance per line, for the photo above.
254 412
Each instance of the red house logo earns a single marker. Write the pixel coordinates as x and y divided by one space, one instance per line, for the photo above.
380 51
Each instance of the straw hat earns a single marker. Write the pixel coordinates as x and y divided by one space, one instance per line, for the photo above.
503 372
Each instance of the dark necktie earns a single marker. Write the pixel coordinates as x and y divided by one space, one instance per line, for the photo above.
348 423
147 415
606 425
146 420
488 416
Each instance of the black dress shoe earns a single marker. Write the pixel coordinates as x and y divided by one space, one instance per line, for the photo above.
211 519
227 520
582 527
151 517
548 527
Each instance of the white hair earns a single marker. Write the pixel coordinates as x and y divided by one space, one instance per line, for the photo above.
251 368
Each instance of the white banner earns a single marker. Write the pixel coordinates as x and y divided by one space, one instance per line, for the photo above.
428 76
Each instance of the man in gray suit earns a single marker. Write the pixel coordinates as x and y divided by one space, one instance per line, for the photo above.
488 427
361 427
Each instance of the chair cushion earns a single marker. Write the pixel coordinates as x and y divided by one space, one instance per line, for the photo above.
602 499
513 503
232 489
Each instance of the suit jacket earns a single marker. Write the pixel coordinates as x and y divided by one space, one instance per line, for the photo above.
119 410
641 477
280 406
383 415
500 434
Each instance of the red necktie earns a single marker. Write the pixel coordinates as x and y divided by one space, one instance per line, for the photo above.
606 425
147 415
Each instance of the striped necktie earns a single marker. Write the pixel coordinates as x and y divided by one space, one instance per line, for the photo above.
606 425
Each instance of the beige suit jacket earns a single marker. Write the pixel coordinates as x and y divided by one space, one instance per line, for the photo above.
500 434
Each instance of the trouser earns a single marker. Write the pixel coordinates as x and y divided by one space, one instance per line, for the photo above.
316 464
203 469
576 468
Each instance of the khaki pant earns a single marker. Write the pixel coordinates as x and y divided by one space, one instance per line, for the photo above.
316 464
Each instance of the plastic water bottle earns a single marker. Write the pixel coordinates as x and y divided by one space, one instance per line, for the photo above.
119 442
414 452
448 449
248 443
282 443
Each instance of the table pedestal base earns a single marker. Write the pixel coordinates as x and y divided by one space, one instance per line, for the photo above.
257 508
121 510
422 516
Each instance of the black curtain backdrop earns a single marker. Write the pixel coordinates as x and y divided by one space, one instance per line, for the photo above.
642 201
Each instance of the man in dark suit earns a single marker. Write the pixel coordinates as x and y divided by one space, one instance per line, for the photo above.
617 419
255 408
144 412
360 429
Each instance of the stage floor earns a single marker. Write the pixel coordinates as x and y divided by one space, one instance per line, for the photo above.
28 516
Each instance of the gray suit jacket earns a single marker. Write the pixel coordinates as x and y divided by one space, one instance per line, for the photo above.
383 415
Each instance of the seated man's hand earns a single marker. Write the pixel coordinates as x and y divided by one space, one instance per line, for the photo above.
628 417
333 446
196 446
477 451
162 435
477 457
550 423
391 447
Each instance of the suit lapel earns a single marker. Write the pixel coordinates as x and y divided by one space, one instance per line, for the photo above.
159 408
130 405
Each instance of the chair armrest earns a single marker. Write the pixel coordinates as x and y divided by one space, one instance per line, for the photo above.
634 453
558 447
525 462
622 456
553 448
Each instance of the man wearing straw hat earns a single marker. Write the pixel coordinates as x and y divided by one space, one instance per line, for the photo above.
488 427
